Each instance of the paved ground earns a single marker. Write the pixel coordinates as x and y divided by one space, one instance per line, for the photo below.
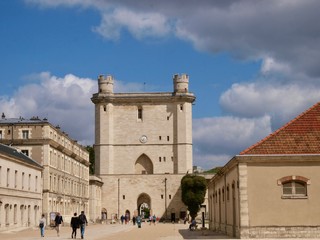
160 231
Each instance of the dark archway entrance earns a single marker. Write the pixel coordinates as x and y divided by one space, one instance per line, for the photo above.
144 205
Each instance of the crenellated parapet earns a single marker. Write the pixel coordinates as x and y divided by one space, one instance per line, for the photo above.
181 83
105 84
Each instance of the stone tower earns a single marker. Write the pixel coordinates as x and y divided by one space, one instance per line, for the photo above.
143 147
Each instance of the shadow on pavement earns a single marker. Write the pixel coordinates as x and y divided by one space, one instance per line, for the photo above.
202 234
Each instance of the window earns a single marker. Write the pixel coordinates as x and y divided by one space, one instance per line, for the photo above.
169 196
0 134
105 108
8 176
25 134
181 107
29 182
22 185
25 152
294 186
15 178
168 138
36 184
140 113
159 159
160 138
161 196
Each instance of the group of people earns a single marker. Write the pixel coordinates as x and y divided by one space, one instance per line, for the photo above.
75 223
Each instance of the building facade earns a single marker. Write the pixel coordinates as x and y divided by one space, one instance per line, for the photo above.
272 189
65 163
143 147
20 189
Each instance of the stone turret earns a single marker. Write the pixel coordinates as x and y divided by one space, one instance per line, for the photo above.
105 84
181 83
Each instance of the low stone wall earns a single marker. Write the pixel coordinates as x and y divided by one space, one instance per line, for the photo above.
281 232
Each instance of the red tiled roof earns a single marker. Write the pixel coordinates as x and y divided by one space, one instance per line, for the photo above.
299 136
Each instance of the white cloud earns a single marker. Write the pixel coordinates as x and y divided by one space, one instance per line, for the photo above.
140 24
283 30
281 101
65 101
216 139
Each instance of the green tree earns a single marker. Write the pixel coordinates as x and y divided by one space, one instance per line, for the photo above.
90 149
193 192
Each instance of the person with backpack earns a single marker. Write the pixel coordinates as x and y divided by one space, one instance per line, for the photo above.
83 223
74 224
42 224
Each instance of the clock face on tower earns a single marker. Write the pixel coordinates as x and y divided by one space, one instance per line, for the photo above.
143 139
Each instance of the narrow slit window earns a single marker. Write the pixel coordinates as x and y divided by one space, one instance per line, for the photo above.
181 107
168 138
105 108
140 113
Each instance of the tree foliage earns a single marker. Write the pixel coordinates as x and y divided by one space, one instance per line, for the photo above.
193 192
90 149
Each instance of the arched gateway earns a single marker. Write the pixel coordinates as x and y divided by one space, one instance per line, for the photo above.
144 205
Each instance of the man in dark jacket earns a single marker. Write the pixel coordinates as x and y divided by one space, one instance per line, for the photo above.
58 221
83 223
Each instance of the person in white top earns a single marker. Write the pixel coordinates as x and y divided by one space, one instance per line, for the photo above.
42 224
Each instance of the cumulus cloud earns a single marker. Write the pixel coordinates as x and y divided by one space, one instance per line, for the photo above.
281 34
282 30
65 101
217 139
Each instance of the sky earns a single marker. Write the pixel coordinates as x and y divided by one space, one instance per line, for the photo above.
252 65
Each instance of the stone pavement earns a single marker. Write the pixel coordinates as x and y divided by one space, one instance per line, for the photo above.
160 231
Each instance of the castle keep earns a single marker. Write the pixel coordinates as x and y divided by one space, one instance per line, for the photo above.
143 147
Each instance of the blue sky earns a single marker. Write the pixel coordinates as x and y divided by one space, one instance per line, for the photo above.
253 65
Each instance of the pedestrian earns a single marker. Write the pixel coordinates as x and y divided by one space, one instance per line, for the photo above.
154 218
74 224
83 223
139 221
42 224
58 221
122 219
134 220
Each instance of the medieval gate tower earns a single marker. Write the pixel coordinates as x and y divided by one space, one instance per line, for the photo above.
143 147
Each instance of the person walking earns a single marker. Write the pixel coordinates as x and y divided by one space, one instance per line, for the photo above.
74 223
58 221
42 224
83 223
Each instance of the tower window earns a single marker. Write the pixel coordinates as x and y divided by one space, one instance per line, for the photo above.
160 138
159 159
164 159
169 196
140 113
123 197
181 107
25 134
161 196
105 108
0 134
168 118
168 138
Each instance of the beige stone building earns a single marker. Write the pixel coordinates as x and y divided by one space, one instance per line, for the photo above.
96 213
272 189
143 147
20 189
65 163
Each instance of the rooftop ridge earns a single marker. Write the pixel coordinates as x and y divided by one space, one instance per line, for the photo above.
280 129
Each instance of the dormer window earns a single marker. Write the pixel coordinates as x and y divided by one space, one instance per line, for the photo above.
25 134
